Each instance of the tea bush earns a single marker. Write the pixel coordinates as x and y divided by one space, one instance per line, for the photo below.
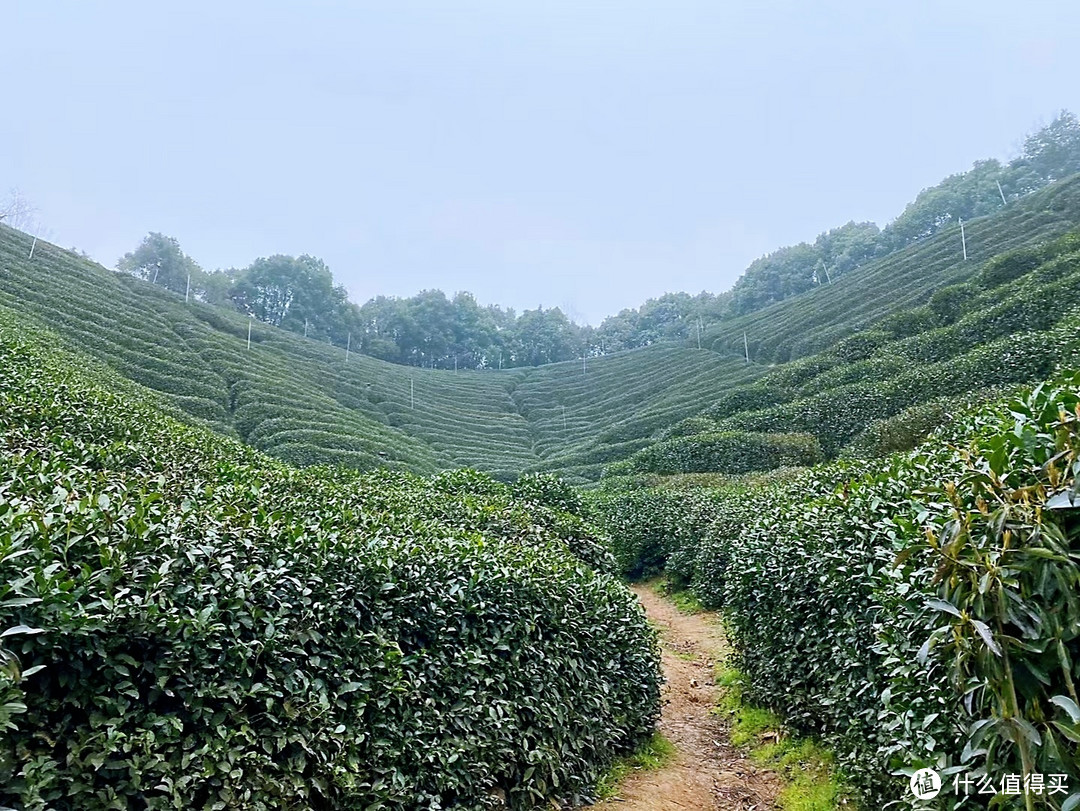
728 452
916 611
189 624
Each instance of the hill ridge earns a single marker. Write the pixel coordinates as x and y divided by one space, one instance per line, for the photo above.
302 401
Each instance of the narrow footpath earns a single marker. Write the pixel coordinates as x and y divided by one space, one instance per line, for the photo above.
707 772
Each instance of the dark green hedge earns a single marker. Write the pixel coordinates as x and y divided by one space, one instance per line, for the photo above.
915 612
189 624
728 452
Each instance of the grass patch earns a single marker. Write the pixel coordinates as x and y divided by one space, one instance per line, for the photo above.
655 753
812 781
682 598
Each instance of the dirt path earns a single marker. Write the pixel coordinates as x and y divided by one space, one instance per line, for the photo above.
707 774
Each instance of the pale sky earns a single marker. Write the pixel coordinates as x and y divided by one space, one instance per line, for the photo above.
579 154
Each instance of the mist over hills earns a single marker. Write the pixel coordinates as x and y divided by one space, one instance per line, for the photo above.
433 330
308 401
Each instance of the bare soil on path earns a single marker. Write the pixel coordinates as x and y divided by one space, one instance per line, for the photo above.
707 773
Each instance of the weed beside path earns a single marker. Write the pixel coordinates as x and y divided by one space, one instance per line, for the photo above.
706 773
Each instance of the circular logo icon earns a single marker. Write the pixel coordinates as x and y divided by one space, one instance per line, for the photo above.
925 784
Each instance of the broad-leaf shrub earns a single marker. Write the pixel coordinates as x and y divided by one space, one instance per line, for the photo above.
918 612
193 625
728 452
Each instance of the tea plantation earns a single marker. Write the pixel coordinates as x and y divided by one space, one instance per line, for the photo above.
815 320
302 402
914 609
884 389
224 582
187 623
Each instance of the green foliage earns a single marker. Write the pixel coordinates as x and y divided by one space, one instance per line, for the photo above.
728 452
919 612
1009 266
190 624
761 394
952 302
911 427
300 401
861 345
159 260
548 491
897 282
654 754
808 769
907 323
296 293
1005 572
691 426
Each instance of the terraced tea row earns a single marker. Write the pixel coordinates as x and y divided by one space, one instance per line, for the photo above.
815 320
1013 322
188 623
302 401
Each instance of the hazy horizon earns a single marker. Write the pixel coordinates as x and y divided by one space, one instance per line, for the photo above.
585 156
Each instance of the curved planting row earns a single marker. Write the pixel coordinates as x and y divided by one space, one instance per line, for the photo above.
814 321
185 623
916 612
300 400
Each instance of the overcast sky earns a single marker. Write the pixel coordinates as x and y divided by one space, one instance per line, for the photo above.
578 154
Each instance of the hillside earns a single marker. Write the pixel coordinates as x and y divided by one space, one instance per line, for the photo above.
818 318
188 623
913 611
302 401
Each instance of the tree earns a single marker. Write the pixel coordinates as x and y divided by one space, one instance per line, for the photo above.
213 288
1048 155
18 212
159 260
546 336
288 292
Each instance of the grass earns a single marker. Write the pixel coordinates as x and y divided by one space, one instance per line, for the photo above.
812 781
682 598
654 754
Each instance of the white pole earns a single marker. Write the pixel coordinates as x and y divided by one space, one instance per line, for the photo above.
412 395
305 327
826 267
187 290
32 246
249 333
155 275
699 334
348 344
746 347
1001 193
455 363
963 239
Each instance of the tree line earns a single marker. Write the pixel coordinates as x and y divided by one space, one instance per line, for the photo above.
1049 154
433 330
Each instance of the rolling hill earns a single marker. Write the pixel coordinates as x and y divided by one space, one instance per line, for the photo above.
310 403
817 319
307 402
